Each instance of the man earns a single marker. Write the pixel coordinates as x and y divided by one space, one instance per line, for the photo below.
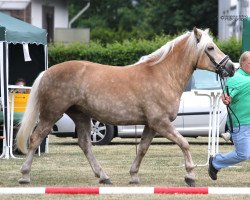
239 100
21 82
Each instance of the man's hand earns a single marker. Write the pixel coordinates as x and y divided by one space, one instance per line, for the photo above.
226 99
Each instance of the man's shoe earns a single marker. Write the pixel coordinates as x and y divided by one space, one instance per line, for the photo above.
226 136
212 172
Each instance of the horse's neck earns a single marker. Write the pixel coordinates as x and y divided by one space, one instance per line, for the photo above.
179 69
181 62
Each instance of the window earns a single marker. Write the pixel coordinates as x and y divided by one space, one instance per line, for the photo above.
205 80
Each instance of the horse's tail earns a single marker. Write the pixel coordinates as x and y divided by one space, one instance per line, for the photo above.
30 118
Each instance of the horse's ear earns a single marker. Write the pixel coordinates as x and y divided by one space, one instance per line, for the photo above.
197 34
207 30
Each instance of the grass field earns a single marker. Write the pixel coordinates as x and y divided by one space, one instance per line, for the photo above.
65 165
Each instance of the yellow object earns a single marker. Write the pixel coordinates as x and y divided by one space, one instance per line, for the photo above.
20 102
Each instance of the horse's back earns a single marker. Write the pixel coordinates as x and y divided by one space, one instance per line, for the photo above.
71 72
74 68
93 87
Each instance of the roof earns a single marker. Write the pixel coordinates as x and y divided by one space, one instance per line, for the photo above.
14 4
13 30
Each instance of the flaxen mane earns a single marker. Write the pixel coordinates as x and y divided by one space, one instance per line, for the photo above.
191 46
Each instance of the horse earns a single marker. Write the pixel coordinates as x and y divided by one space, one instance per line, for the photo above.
146 93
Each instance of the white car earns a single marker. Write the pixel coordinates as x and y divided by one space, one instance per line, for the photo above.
192 119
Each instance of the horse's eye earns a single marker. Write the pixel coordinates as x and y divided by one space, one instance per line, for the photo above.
210 48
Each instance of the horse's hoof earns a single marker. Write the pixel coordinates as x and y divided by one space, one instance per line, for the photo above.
190 182
24 181
105 181
133 182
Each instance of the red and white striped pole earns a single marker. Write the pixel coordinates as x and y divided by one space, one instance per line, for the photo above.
126 190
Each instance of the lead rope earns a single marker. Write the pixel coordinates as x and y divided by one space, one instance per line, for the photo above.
229 109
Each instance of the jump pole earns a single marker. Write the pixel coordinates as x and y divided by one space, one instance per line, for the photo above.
125 190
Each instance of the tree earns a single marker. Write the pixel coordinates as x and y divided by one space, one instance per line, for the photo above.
145 18
174 16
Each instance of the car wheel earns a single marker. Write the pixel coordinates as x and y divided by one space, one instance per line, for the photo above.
101 134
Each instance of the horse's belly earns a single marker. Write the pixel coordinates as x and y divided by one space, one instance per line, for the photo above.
117 113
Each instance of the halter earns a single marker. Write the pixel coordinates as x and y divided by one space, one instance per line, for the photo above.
219 67
220 70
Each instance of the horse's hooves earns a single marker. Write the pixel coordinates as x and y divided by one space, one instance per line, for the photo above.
105 181
24 181
190 182
133 182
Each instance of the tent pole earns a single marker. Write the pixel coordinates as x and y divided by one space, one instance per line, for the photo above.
2 58
46 67
46 56
12 95
5 99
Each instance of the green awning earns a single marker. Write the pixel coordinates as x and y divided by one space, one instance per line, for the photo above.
14 31
246 35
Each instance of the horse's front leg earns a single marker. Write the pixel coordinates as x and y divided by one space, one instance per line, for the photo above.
35 140
84 141
166 129
146 139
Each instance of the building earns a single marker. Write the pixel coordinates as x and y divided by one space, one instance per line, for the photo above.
230 15
47 14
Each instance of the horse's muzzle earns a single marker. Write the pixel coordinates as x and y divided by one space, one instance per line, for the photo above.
229 69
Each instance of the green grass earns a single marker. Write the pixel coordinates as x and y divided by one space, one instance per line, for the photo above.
65 165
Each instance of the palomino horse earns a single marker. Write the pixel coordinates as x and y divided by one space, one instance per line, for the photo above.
147 93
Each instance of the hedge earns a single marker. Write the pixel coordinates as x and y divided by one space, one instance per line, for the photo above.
232 47
124 53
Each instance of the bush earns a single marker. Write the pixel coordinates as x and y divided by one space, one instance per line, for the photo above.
106 35
231 47
119 54
126 52
102 35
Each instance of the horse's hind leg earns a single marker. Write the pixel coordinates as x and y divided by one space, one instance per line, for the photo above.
40 132
166 129
83 128
146 139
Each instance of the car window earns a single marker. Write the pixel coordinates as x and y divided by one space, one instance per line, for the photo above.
205 80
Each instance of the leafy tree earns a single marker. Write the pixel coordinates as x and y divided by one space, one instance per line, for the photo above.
174 16
125 19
